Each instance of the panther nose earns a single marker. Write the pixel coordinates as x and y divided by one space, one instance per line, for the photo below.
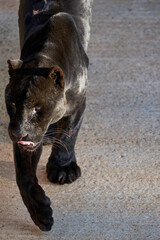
16 133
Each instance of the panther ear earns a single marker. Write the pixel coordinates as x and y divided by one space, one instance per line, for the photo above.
13 65
56 74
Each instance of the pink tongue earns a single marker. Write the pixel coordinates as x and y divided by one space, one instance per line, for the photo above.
26 143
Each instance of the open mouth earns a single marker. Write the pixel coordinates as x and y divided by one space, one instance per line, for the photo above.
26 143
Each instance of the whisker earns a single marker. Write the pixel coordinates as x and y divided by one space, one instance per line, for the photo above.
57 132
57 129
50 141
54 140
61 143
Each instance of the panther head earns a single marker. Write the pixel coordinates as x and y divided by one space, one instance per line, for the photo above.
35 98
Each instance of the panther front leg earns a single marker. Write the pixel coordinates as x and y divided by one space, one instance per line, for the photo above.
62 167
37 203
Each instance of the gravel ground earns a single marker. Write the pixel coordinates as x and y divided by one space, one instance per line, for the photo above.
117 197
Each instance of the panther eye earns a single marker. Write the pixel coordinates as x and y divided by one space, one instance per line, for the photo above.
37 109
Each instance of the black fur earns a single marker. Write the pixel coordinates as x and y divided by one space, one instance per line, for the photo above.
45 98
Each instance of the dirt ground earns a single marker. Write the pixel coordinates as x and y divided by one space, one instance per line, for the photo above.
118 149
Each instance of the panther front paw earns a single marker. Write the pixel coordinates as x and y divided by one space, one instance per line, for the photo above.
38 205
65 174
42 217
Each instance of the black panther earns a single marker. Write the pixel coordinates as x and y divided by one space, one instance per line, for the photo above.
46 96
